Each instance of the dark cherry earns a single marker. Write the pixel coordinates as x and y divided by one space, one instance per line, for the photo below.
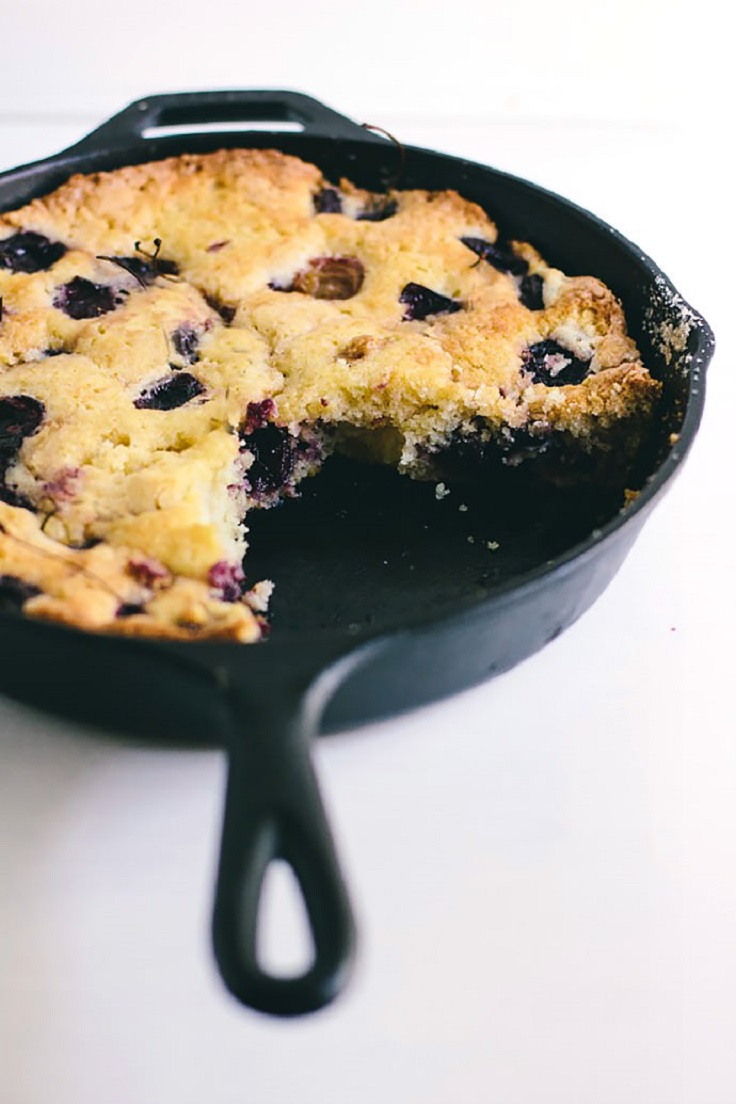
14 592
20 416
551 364
228 579
501 257
258 415
421 302
170 392
144 269
147 571
185 341
330 278
128 609
225 311
28 251
530 292
81 298
65 485
379 210
274 456
328 202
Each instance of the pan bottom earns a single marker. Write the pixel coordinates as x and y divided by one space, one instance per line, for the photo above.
384 548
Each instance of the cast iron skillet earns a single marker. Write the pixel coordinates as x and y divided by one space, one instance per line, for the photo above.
382 601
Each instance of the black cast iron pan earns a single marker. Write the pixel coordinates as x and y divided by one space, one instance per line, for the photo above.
382 601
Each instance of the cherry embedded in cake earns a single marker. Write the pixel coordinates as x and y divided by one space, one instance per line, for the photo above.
82 298
169 393
549 363
156 390
379 209
145 269
421 302
501 257
185 341
20 416
29 252
329 278
327 201
531 291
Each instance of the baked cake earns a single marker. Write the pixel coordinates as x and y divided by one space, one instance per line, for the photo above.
184 341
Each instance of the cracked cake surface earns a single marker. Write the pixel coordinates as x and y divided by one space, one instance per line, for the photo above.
185 340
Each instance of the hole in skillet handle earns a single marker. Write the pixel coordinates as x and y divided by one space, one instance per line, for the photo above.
278 110
273 816
284 940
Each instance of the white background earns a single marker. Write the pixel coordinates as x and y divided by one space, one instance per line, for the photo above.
543 867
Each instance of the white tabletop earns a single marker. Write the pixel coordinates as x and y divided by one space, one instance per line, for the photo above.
543 867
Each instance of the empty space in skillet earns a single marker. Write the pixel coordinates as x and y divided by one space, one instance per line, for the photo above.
363 549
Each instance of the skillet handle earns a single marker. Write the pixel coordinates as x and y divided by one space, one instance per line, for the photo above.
274 811
240 106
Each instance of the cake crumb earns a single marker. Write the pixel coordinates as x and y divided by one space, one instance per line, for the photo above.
492 545
259 596
441 491
463 508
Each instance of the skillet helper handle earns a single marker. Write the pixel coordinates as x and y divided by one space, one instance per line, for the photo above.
238 106
274 811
